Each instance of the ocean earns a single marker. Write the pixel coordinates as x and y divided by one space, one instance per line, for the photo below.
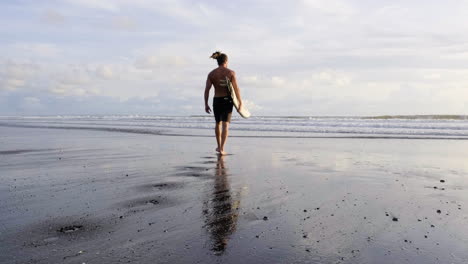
410 127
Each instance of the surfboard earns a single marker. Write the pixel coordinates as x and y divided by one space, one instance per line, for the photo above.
242 112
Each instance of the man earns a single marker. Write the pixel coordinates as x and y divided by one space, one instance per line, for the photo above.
222 102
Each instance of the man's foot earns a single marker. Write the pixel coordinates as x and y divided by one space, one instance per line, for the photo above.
222 153
217 150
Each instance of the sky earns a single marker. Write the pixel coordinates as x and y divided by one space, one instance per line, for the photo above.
304 57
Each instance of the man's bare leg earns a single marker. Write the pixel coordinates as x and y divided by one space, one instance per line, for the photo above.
218 136
224 136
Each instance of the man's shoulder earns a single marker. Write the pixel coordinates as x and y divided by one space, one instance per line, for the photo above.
212 72
231 72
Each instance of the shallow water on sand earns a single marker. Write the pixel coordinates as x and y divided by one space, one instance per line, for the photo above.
74 196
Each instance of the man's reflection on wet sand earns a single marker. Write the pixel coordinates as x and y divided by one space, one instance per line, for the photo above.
221 209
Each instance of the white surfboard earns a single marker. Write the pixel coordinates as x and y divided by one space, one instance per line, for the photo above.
243 112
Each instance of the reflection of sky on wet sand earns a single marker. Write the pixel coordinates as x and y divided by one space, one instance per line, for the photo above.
221 209
358 186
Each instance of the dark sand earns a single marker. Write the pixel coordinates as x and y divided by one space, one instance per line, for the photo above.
75 196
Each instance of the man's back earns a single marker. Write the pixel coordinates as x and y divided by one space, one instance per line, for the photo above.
216 76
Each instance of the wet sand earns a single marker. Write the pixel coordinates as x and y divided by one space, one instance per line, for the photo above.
77 196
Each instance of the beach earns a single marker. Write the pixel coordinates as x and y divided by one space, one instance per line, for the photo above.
73 195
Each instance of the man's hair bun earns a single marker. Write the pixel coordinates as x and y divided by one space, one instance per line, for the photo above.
215 55
220 57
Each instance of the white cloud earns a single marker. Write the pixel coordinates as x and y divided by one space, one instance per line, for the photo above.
156 61
44 50
79 92
75 75
18 70
15 82
94 91
15 75
187 12
330 7
105 72
253 79
124 23
59 89
278 81
53 17
68 90
107 5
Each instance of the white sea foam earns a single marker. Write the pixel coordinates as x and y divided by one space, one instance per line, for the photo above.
426 126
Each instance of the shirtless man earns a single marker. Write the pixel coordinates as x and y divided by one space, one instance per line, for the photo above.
222 103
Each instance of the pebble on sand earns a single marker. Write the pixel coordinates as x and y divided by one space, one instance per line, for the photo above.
69 229
395 219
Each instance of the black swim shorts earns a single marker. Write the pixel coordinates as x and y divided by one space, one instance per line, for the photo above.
222 108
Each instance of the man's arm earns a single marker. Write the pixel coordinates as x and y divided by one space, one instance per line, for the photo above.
236 89
207 94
